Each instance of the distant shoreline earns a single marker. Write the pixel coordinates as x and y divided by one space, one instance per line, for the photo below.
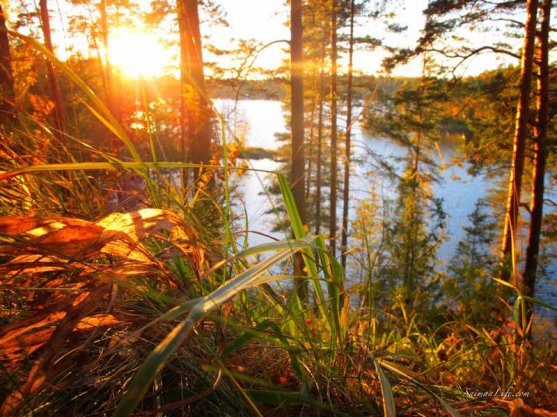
258 153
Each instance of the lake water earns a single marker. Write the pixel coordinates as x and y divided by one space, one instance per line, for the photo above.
256 122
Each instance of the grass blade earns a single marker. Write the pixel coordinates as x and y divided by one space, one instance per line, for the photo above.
160 355
406 375
389 408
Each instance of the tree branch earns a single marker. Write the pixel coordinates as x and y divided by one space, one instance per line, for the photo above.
476 51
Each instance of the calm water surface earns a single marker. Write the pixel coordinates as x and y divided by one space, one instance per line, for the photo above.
256 122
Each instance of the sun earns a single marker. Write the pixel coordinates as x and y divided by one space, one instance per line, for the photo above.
138 54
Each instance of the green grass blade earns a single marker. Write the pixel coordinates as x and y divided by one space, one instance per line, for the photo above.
539 302
299 232
293 214
114 164
506 284
158 357
389 408
249 334
333 274
516 312
154 364
250 277
396 369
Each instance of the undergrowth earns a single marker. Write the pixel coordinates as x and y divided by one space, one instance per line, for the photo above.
125 294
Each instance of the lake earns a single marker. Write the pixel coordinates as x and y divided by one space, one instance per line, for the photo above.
256 122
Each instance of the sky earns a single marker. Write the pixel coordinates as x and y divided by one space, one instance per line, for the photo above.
266 21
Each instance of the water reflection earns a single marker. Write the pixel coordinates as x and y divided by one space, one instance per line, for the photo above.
256 122
256 203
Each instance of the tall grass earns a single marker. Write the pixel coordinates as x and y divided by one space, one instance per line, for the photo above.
155 311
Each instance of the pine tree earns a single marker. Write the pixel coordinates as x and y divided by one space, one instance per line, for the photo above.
347 147
195 108
297 164
508 249
56 95
334 161
469 288
540 158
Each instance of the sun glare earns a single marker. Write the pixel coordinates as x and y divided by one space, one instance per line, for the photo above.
138 53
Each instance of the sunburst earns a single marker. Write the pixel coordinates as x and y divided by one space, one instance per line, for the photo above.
138 53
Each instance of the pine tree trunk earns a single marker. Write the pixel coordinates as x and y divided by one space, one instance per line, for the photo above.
195 107
310 149
540 157
333 181
297 167
7 96
519 142
347 149
318 175
56 95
